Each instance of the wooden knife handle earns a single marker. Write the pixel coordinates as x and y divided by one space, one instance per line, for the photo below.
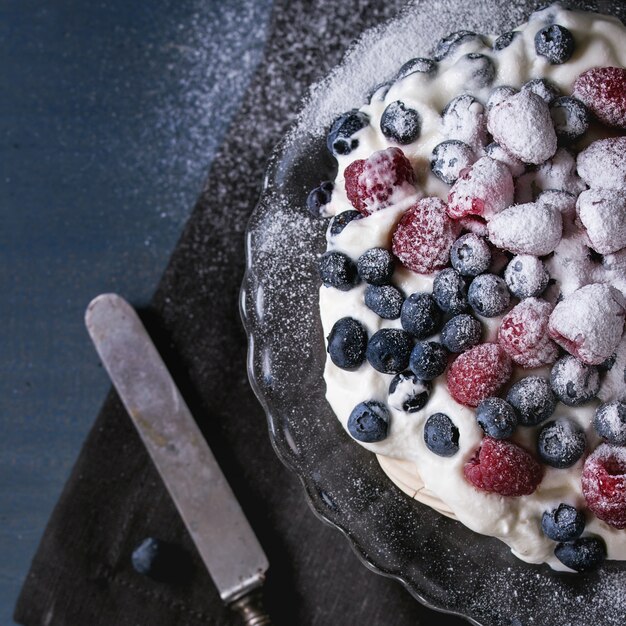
250 608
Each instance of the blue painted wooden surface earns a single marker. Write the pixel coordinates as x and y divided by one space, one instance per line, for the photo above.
110 115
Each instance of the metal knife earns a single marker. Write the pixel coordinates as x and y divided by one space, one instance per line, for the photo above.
205 501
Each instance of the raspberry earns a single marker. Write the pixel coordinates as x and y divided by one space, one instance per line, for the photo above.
503 467
379 181
424 236
604 484
479 373
524 334
603 90
483 190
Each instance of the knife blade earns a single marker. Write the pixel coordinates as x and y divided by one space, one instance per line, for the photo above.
208 507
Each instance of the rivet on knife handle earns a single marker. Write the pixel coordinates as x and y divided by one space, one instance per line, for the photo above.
224 539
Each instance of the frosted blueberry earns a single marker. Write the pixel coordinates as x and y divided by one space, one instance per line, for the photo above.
470 255
449 291
543 88
347 342
446 45
610 422
375 266
449 159
573 381
339 222
369 422
526 276
318 198
408 393
400 123
389 349
340 138
561 443
496 417
337 270
461 333
505 40
564 523
420 315
488 295
385 300
418 65
570 117
554 42
533 400
441 436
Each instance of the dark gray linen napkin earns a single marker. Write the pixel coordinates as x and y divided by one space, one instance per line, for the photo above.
81 574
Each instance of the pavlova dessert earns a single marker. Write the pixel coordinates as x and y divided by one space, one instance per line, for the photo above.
474 285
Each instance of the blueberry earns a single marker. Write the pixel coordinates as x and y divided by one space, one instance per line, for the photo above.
161 560
369 421
478 69
610 422
419 65
496 417
375 266
461 333
543 88
408 393
500 94
428 360
555 43
385 300
441 436
449 159
561 443
573 381
583 554
339 222
420 315
340 138
488 295
452 41
470 255
570 117
564 523
526 276
347 343
400 123
505 40
449 291
337 270
533 400
608 363
378 92
319 198
389 349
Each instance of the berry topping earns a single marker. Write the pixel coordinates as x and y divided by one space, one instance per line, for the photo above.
375 266
543 88
400 123
603 213
461 333
484 189
604 484
477 70
589 322
369 421
385 300
561 443
470 255
347 342
602 165
523 126
526 276
428 360
337 270
533 228
340 138
419 65
610 422
446 45
449 159
478 373
339 222
533 400
574 382
496 151
555 43
381 180
499 94
408 393
570 117
505 40
318 198
583 554
524 334
488 295
423 237
420 315
564 523
389 349
449 291
603 91
504 468
463 119
441 436
496 417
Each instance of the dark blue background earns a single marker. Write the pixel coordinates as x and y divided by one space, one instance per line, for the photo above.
110 116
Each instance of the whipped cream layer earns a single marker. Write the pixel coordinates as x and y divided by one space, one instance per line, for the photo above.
600 41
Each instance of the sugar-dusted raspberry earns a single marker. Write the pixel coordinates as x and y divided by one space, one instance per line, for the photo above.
603 90
479 373
524 334
504 468
603 214
602 165
423 237
379 181
604 484
483 190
